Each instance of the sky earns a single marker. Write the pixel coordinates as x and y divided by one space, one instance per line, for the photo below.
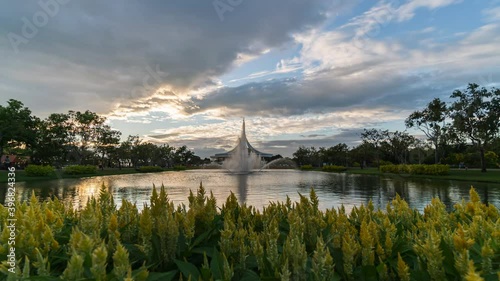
185 72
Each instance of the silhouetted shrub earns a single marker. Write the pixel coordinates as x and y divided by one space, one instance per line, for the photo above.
334 168
416 169
38 170
306 167
80 169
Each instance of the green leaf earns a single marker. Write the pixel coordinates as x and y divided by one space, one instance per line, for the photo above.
43 278
201 238
366 273
249 275
162 276
449 260
203 250
188 269
419 275
206 274
216 265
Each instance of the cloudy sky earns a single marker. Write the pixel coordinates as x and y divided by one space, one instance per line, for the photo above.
311 73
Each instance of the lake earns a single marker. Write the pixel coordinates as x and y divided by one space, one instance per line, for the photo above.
257 189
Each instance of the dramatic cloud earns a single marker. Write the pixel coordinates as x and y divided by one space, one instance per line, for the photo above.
107 53
302 72
342 75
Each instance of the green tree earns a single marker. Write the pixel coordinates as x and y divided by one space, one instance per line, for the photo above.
54 134
308 156
419 150
164 156
85 132
431 121
376 138
106 143
146 153
362 153
124 152
17 125
399 144
131 149
337 155
183 155
476 116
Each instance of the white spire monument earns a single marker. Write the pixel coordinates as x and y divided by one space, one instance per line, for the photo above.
243 158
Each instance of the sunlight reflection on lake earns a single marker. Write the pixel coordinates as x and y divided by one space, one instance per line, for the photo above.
259 188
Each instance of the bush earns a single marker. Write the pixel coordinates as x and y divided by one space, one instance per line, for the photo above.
333 168
416 169
491 159
356 165
80 169
384 163
150 169
306 167
179 168
38 170
236 242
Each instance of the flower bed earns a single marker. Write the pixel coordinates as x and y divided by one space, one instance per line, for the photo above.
416 169
285 241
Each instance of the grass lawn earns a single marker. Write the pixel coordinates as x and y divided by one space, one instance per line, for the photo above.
492 175
21 175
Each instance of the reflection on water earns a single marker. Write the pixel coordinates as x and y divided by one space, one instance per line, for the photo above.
257 189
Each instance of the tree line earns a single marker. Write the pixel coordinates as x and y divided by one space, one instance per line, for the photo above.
464 131
81 138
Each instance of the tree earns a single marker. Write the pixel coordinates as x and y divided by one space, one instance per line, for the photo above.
399 144
337 155
17 125
106 143
146 152
302 156
476 116
375 137
362 153
164 156
85 130
51 142
132 143
124 152
183 155
431 121
420 148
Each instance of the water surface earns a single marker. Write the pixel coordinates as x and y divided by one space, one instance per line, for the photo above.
259 188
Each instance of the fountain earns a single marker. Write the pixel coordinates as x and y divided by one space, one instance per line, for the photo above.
243 159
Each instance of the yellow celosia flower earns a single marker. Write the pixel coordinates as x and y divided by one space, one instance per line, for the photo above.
472 275
460 240
403 269
99 258
74 270
120 262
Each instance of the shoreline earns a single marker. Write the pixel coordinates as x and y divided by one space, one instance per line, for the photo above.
473 175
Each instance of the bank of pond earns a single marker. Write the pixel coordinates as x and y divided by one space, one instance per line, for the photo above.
283 241
33 173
